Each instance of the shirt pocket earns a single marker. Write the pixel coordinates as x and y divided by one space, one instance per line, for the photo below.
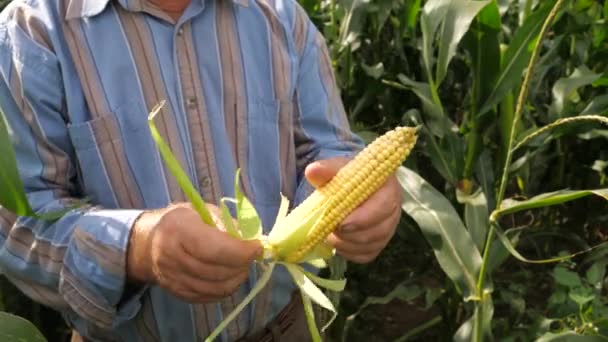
106 172
271 151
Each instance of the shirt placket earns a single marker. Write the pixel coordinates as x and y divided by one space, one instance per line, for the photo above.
191 98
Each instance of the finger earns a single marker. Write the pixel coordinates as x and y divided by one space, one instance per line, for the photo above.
211 272
378 232
209 289
322 171
217 247
383 204
366 235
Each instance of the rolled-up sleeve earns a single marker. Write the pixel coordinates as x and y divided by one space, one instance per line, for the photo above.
321 129
76 264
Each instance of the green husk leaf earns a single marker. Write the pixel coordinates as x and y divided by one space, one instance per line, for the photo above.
288 239
176 170
307 287
261 283
310 318
318 263
336 285
283 208
322 250
248 218
228 221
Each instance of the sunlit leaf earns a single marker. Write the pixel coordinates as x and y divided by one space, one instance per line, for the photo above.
247 217
476 215
509 246
330 284
453 246
564 87
456 23
310 290
310 318
176 170
517 57
484 313
261 283
290 234
308 287
510 206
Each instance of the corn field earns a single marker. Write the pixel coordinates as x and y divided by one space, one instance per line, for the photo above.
504 232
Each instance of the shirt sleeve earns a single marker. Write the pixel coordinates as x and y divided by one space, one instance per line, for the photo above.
76 264
321 129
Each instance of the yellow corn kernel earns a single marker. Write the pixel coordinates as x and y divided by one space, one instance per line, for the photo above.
352 185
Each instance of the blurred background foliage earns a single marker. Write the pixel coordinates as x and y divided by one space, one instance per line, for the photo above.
457 73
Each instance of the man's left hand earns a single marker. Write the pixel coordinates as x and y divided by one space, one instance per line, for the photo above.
367 230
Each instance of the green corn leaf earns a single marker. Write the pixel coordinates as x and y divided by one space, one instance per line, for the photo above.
15 328
484 313
261 283
517 57
248 218
456 22
510 206
565 87
452 244
475 215
13 196
177 171
509 246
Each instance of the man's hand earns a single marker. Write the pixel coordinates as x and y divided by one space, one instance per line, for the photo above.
368 229
176 250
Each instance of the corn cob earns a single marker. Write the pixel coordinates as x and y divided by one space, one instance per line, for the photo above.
350 187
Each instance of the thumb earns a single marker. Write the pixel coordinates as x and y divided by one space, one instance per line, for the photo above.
322 171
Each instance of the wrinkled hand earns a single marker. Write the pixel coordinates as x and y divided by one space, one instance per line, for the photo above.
174 249
367 230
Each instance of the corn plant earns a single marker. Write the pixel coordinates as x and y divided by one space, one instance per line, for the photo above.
464 249
488 146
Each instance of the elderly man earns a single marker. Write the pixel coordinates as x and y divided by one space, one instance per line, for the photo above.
248 85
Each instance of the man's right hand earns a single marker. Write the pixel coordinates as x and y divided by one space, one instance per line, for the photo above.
174 249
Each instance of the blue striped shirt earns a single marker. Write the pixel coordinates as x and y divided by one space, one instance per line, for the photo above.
248 84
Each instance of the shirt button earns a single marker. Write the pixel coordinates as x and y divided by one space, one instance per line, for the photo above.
205 181
191 102
180 32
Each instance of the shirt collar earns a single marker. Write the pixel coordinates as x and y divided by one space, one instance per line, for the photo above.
90 8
